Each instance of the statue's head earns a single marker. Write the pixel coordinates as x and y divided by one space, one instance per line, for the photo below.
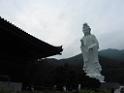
86 29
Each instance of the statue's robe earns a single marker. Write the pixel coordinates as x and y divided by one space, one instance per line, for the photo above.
89 48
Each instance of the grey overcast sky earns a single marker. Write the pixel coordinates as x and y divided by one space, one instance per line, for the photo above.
59 22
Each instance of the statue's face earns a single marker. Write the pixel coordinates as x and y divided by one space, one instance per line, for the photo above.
86 30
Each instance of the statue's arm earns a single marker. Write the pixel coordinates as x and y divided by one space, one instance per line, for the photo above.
94 43
82 45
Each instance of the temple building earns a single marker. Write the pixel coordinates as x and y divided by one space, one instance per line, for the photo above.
19 49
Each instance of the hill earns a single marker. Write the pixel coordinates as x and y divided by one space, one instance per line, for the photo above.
113 54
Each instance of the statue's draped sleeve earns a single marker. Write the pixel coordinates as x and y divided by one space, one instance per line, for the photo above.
84 50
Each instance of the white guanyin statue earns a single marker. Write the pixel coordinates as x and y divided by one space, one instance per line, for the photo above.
89 49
